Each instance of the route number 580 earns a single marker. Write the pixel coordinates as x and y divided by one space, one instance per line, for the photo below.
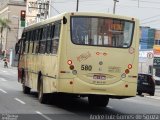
86 67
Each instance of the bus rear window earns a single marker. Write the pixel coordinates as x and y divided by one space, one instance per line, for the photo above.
96 31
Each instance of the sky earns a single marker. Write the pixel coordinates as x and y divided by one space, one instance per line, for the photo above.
147 11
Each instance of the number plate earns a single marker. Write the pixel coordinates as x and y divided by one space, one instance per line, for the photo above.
145 83
99 77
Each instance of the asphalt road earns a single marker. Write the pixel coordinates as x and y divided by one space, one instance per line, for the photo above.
18 106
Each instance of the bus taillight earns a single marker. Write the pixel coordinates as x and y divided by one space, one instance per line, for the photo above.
127 71
69 62
129 66
71 67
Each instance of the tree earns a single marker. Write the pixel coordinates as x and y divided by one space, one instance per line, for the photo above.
4 23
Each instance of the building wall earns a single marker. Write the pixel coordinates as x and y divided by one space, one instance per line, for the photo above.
16 29
31 13
147 38
11 11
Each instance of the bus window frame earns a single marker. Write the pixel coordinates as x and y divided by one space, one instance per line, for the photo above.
59 23
111 18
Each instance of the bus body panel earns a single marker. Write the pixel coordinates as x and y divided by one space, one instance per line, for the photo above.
114 63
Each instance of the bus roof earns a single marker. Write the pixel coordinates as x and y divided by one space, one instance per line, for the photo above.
60 17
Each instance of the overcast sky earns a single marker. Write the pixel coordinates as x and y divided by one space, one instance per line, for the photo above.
148 11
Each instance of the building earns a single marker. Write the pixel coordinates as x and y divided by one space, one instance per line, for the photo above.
149 52
146 55
147 38
156 61
38 10
31 12
10 9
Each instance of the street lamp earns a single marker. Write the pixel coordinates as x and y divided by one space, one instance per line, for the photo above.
114 7
16 17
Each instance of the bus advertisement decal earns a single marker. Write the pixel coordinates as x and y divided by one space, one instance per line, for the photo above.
84 56
114 69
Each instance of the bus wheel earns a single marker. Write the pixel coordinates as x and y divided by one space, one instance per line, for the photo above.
41 96
98 100
139 93
26 90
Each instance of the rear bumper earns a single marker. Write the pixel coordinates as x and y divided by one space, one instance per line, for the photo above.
117 89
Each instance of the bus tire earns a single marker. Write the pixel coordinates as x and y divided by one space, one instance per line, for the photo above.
98 100
41 96
139 93
26 90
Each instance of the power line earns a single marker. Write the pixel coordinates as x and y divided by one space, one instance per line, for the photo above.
151 17
54 9
155 20
144 1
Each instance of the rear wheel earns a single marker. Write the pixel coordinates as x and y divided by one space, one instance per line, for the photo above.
41 96
26 90
152 93
98 100
139 93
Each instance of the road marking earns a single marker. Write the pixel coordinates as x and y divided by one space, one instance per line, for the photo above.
3 91
46 117
20 101
2 79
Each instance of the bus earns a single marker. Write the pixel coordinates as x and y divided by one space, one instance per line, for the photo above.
83 54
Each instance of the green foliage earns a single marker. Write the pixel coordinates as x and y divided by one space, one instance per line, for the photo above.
4 23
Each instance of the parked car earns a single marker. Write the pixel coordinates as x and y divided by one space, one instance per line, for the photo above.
146 84
157 79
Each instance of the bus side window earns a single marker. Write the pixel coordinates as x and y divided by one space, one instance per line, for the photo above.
40 30
43 40
23 42
52 34
48 42
33 39
56 37
26 42
30 42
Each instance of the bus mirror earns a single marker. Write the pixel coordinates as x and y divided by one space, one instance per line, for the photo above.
16 48
64 20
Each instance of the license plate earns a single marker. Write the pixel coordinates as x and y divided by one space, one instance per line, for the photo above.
145 83
99 77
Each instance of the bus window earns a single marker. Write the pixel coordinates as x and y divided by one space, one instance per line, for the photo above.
33 40
98 31
43 40
56 36
23 42
27 42
52 34
48 42
40 30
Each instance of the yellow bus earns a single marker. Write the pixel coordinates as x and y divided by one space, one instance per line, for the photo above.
92 55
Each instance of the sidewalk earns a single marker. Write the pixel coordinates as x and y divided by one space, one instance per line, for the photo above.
157 90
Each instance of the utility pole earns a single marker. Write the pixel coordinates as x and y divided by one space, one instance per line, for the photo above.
138 3
114 7
77 5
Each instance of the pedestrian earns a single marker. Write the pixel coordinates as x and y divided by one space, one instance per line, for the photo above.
5 62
